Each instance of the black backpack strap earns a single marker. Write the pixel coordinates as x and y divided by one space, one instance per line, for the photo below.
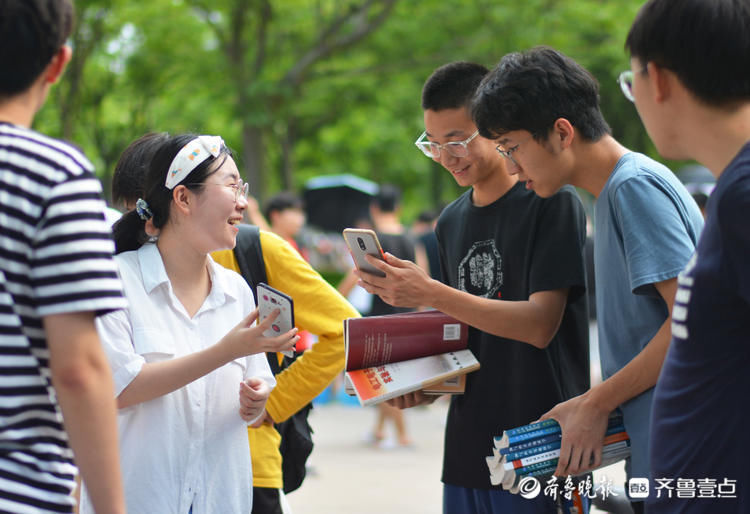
249 255
296 433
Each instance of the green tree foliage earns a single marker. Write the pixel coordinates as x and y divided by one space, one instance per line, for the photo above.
301 88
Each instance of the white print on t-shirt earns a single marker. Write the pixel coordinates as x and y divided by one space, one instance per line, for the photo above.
682 299
480 272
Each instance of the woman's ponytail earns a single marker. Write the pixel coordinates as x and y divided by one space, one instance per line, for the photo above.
129 232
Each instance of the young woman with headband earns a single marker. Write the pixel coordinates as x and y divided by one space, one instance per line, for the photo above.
187 357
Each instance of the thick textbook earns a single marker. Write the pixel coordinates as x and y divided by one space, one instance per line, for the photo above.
378 340
389 356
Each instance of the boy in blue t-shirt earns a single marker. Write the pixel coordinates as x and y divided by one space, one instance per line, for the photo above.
542 108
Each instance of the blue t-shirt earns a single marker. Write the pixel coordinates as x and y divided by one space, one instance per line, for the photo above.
700 413
647 225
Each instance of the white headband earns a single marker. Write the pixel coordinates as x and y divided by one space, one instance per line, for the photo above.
190 156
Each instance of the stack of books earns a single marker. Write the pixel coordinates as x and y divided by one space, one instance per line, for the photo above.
389 356
533 450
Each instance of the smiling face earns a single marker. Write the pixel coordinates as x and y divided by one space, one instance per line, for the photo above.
482 162
217 214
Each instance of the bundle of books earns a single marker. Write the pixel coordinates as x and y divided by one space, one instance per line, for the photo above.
533 450
389 356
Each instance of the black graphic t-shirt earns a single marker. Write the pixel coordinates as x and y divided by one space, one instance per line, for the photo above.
516 246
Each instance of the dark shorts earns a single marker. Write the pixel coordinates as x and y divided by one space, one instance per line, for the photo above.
266 500
462 500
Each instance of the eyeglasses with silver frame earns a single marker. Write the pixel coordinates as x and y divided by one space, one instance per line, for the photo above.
626 84
454 148
240 188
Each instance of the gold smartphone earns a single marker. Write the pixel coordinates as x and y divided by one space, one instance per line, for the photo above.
363 242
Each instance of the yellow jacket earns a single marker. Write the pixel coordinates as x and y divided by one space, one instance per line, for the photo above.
319 309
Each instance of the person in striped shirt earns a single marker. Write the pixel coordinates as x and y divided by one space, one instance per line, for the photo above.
56 275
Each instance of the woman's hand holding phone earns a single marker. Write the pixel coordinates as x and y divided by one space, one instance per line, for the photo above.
269 300
247 338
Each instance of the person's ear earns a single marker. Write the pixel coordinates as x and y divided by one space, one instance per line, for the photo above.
660 80
182 199
57 65
563 133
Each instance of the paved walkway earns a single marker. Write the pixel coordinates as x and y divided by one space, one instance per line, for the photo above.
353 477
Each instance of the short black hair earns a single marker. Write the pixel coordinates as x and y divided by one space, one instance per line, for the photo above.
452 85
130 171
282 201
31 33
706 43
427 216
530 90
388 198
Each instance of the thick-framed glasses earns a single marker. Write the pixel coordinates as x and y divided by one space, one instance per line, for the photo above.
626 84
455 148
241 189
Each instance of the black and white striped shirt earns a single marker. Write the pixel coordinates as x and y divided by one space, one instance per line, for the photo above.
55 257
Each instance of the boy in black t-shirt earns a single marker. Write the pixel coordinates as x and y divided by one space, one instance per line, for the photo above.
513 269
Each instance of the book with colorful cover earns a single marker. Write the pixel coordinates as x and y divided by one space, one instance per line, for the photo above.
534 449
552 451
539 429
453 385
520 454
532 427
614 426
551 438
380 383
610 454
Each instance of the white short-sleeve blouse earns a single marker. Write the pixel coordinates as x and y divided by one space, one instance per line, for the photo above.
189 447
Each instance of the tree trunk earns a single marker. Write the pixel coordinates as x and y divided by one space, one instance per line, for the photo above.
253 158
287 156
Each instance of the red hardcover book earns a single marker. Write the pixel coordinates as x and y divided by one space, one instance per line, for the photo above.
379 340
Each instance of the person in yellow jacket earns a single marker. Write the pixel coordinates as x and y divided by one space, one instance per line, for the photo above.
318 308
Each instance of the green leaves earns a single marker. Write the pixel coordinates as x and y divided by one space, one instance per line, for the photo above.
313 87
